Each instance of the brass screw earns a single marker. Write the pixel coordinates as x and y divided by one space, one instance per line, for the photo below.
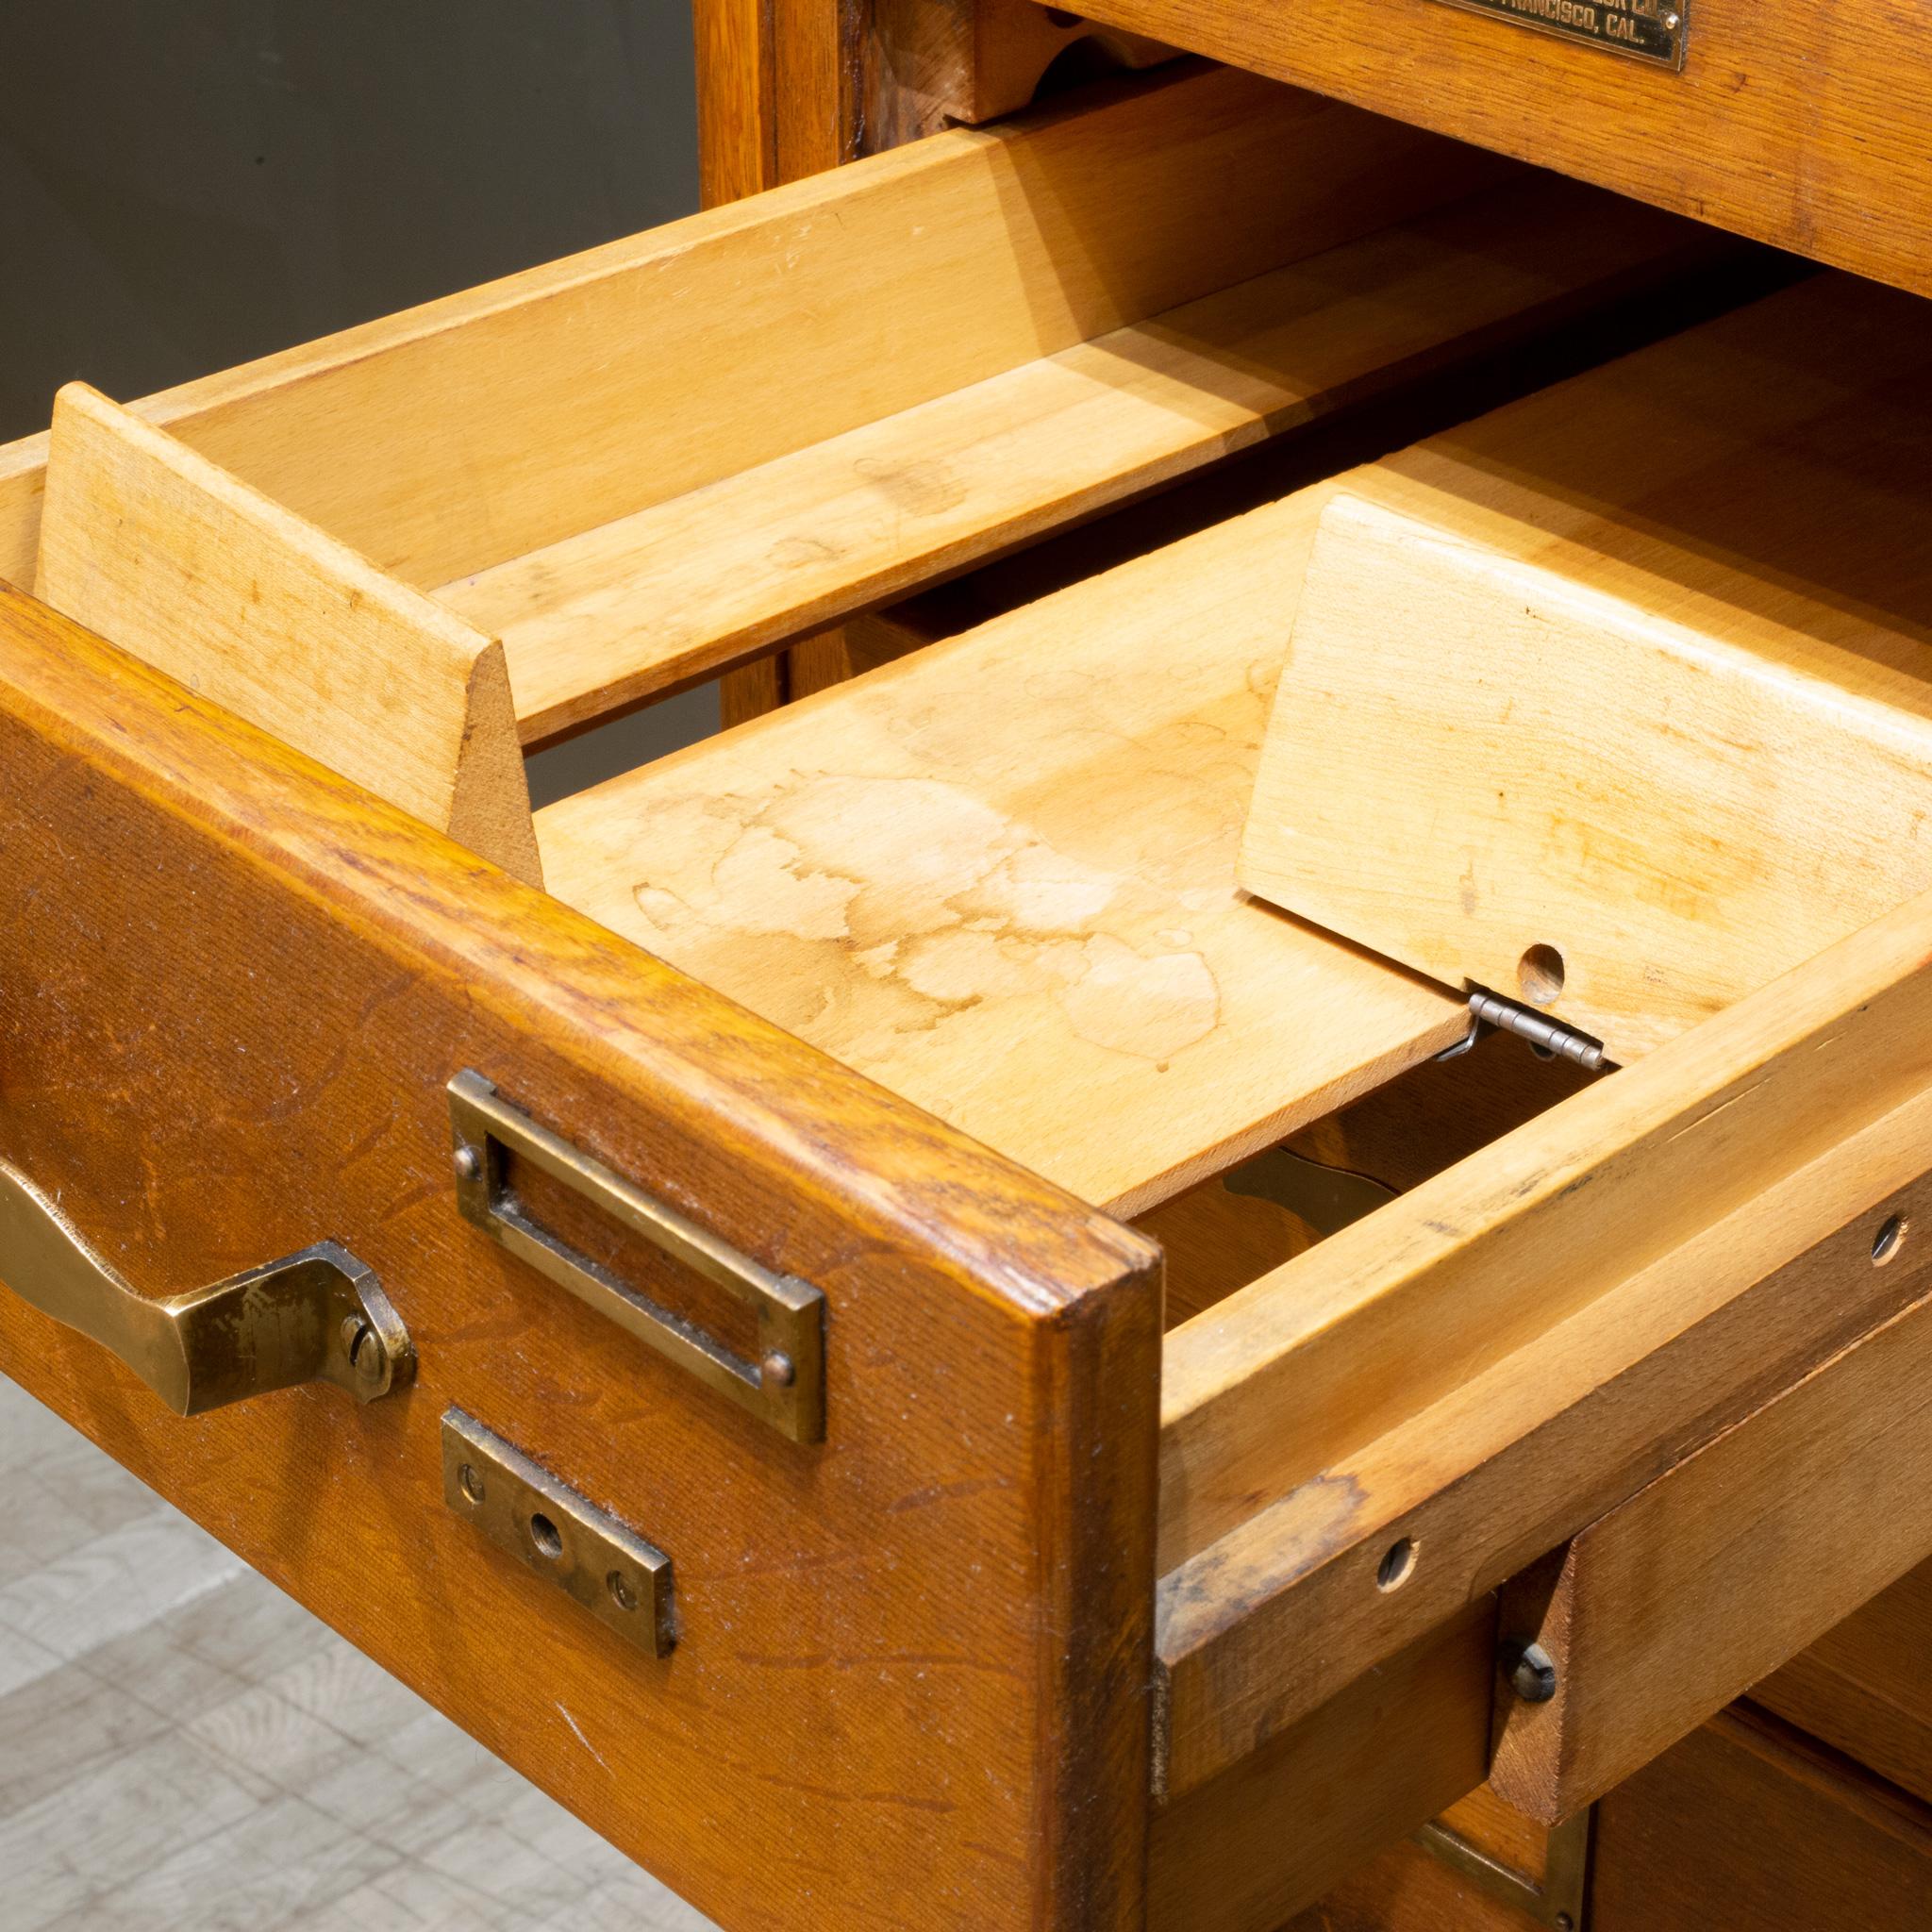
367 1355
777 1371
467 1162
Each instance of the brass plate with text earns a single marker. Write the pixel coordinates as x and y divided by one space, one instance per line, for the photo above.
1653 30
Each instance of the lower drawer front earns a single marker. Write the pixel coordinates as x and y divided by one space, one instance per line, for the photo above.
1866 1687
1408 1888
1746 1824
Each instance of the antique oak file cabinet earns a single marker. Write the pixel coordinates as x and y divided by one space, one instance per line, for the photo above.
1228 1223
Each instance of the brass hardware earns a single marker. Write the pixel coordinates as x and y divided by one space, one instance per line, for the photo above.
316 1316
1656 31
613 1573
1558 1901
783 1384
1327 1198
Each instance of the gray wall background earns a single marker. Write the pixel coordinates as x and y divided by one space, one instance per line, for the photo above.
185 184
188 183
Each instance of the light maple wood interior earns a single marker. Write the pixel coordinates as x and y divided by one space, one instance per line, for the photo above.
1485 1365
189 570
636 607
640 465
1436 1372
1631 674
997 875
1753 481
454 435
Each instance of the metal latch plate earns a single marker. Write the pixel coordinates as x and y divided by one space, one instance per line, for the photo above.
595 1559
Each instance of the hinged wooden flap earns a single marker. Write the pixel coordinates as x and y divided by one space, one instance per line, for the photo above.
1615 700
998 876
1506 778
189 568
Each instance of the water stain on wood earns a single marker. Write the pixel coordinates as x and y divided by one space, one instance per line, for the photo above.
896 903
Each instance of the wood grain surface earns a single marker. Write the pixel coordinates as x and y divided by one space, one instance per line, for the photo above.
1866 1685
1694 1252
1749 1824
1278 1829
1811 131
1406 1887
912 1676
1022 914
1659 1613
448 438
1773 1094
647 601
1631 676
193 572
753 134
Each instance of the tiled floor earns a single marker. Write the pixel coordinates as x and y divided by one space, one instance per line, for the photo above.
182 1749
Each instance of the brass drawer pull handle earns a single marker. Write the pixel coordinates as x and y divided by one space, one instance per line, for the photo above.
316 1316
785 1386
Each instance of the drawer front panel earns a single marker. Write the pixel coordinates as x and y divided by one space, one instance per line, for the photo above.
1744 1824
906 1686
1814 133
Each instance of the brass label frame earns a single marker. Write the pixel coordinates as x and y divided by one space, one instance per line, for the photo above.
784 1387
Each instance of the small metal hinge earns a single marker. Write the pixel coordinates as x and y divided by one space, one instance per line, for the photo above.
1548 1037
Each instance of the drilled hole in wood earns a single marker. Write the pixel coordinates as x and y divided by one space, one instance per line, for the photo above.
1397 1565
1540 973
1888 1239
543 1534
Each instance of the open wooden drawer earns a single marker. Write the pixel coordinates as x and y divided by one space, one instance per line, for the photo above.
765 1174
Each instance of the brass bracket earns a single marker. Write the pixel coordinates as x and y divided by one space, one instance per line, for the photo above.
613 1573
785 1386
316 1316
1558 1901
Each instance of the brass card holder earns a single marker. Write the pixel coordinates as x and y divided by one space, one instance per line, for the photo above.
785 1386
316 1316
